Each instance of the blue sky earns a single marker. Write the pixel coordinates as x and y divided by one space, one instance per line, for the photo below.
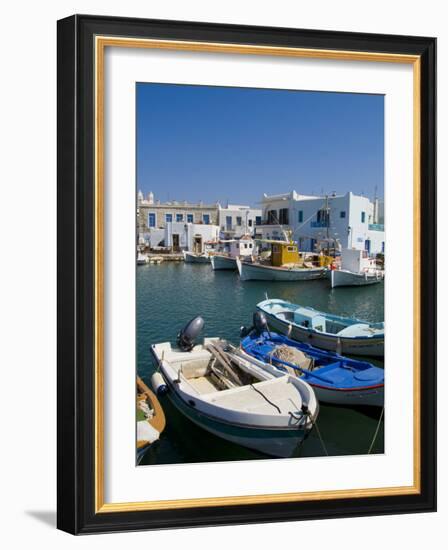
234 144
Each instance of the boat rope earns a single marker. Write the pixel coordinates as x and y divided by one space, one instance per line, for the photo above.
376 432
268 400
314 423
320 436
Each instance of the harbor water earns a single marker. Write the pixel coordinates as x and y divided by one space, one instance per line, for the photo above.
170 294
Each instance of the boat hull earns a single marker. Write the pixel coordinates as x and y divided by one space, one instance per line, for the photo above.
372 397
257 272
370 347
194 259
223 263
281 443
348 278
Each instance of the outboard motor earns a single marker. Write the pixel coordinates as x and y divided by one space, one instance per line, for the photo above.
260 322
260 325
187 336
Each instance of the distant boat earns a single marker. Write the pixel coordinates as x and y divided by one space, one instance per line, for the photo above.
284 264
357 269
221 262
242 248
192 258
150 418
142 259
230 395
323 330
335 379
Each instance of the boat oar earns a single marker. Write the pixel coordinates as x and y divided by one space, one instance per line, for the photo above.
227 366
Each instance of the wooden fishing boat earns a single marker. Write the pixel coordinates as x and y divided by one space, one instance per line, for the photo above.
344 277
334 378
283 264
233 397
150 418
223 262
323 330
357 269
225 258
192 258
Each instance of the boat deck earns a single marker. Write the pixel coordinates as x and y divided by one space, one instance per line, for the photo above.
254 398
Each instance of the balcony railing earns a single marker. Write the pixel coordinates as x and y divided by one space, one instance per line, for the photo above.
320 224
376 226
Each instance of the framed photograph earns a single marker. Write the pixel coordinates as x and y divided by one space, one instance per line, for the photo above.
246 274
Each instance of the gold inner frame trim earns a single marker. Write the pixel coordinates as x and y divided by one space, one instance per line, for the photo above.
101 42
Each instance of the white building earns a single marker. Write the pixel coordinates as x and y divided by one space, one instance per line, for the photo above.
236 220
189 236
350 219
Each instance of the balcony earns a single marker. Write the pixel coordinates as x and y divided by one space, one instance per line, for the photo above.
319 224
376 226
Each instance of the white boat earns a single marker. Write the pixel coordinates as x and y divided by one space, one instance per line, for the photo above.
242 248
343 335
260 272
283 264
357 269
221 262
142 259
192 258
230 395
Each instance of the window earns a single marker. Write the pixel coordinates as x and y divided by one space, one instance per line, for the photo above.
257 220
151 219
363 217
206 218
168 218
382 247
272 217
323 217
300 216
292 249
228 222
342 214
284 216
179 217
250 222
189 218
239 220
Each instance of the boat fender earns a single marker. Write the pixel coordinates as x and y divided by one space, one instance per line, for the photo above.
158 383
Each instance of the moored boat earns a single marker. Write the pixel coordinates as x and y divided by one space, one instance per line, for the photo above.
231 395
334 378
142 259
323 330
192 258
357 269
284 264
344 277
150 418
222 262
242 248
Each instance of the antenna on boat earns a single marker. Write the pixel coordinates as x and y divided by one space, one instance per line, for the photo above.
266 296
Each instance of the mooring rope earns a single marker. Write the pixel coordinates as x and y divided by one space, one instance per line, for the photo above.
376 432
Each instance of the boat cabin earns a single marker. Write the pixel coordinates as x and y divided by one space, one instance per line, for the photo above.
242 247
356 260
284 253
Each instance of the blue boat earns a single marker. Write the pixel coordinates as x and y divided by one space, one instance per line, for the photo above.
334 378
324 330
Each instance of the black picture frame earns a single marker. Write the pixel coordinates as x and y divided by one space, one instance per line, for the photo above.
76 255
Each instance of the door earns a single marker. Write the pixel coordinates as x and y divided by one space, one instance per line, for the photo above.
175 242
367 245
